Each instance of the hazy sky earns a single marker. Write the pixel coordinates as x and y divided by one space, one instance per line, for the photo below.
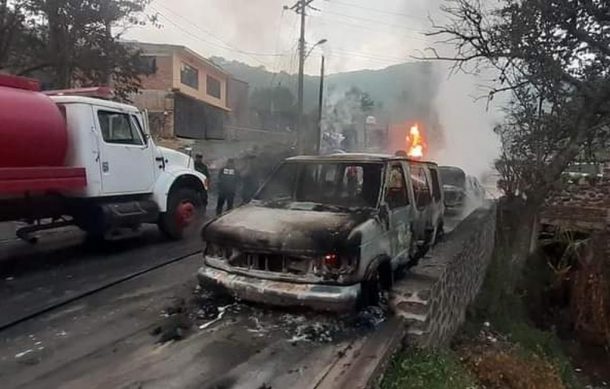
361 34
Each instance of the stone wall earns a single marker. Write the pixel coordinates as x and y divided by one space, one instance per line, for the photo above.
433 297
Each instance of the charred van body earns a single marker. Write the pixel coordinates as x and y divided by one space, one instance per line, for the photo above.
325 232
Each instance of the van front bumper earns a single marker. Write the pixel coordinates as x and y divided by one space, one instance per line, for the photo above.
281 293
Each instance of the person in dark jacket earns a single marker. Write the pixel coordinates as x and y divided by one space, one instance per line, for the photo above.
227 186
201 167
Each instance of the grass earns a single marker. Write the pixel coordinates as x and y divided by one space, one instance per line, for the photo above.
420 369
499 304
546 344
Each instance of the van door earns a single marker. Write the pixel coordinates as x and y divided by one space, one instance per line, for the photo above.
397 200
438 201
126 160
422 192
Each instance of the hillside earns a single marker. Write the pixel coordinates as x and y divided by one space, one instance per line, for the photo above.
403 90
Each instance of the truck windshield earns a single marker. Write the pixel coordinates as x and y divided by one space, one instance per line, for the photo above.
330 184
453 176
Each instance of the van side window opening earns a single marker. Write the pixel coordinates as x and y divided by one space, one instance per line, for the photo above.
436 187
396 195
421 187
119 128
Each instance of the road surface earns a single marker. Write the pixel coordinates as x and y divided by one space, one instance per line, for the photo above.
129 335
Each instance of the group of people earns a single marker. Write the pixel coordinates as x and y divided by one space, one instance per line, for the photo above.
229 180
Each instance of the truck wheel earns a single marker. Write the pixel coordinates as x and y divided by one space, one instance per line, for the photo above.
184 208
376 283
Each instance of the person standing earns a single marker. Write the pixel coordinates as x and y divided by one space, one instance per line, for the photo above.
227 186
201 167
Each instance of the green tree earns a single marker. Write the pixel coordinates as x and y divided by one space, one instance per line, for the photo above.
553 58
72 42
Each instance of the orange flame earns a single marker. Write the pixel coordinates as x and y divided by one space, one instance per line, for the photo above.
415 143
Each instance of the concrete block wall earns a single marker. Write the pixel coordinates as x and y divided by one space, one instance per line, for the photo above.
434 296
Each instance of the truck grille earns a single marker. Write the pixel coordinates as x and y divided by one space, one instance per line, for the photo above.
272 262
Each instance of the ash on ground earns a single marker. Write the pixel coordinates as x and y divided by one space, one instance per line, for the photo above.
205 310
297 325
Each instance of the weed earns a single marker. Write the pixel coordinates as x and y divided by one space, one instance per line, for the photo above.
422 369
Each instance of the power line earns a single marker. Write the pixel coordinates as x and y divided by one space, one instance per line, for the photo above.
351 5
374 21
369 55
361 28
224 45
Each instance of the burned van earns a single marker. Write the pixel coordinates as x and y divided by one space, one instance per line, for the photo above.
325 232
454 187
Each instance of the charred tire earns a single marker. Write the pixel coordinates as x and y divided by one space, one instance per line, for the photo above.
377 281
440 232
184 207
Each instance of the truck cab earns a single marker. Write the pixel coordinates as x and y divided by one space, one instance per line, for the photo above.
126 178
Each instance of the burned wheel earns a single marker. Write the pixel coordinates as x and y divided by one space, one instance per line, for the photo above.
375 286
184 209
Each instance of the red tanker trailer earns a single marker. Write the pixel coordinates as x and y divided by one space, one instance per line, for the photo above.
76 157
34 141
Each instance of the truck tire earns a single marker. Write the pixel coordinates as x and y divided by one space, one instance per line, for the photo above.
376 282
184 208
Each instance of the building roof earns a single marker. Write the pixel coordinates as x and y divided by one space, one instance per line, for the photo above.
165 49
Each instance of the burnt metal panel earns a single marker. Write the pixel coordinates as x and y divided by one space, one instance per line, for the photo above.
195 119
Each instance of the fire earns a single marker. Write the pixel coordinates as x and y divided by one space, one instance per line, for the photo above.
415 143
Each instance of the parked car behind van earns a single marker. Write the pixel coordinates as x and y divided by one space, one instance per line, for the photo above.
327 232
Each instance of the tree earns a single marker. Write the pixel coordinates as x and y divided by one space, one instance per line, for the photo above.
553 57
274 106
72 42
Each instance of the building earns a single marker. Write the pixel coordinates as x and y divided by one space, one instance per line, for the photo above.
185 94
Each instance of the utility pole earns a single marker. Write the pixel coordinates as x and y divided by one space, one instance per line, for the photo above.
302 136
320 106
301 8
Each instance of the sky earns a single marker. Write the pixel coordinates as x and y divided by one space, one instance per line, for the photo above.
360 34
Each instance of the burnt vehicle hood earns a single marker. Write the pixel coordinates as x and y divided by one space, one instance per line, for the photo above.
261 228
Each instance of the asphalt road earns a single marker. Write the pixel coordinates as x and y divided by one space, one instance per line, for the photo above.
105 340
62 266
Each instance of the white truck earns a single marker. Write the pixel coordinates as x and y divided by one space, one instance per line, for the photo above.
75 158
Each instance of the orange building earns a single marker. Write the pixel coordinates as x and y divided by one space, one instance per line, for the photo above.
186 94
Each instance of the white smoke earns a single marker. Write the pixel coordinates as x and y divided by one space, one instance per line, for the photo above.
470 142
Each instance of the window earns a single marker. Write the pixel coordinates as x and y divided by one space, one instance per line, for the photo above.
453 176
189 76
396 195
436 187
147 65
119 128
326 184
213 87
421 187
